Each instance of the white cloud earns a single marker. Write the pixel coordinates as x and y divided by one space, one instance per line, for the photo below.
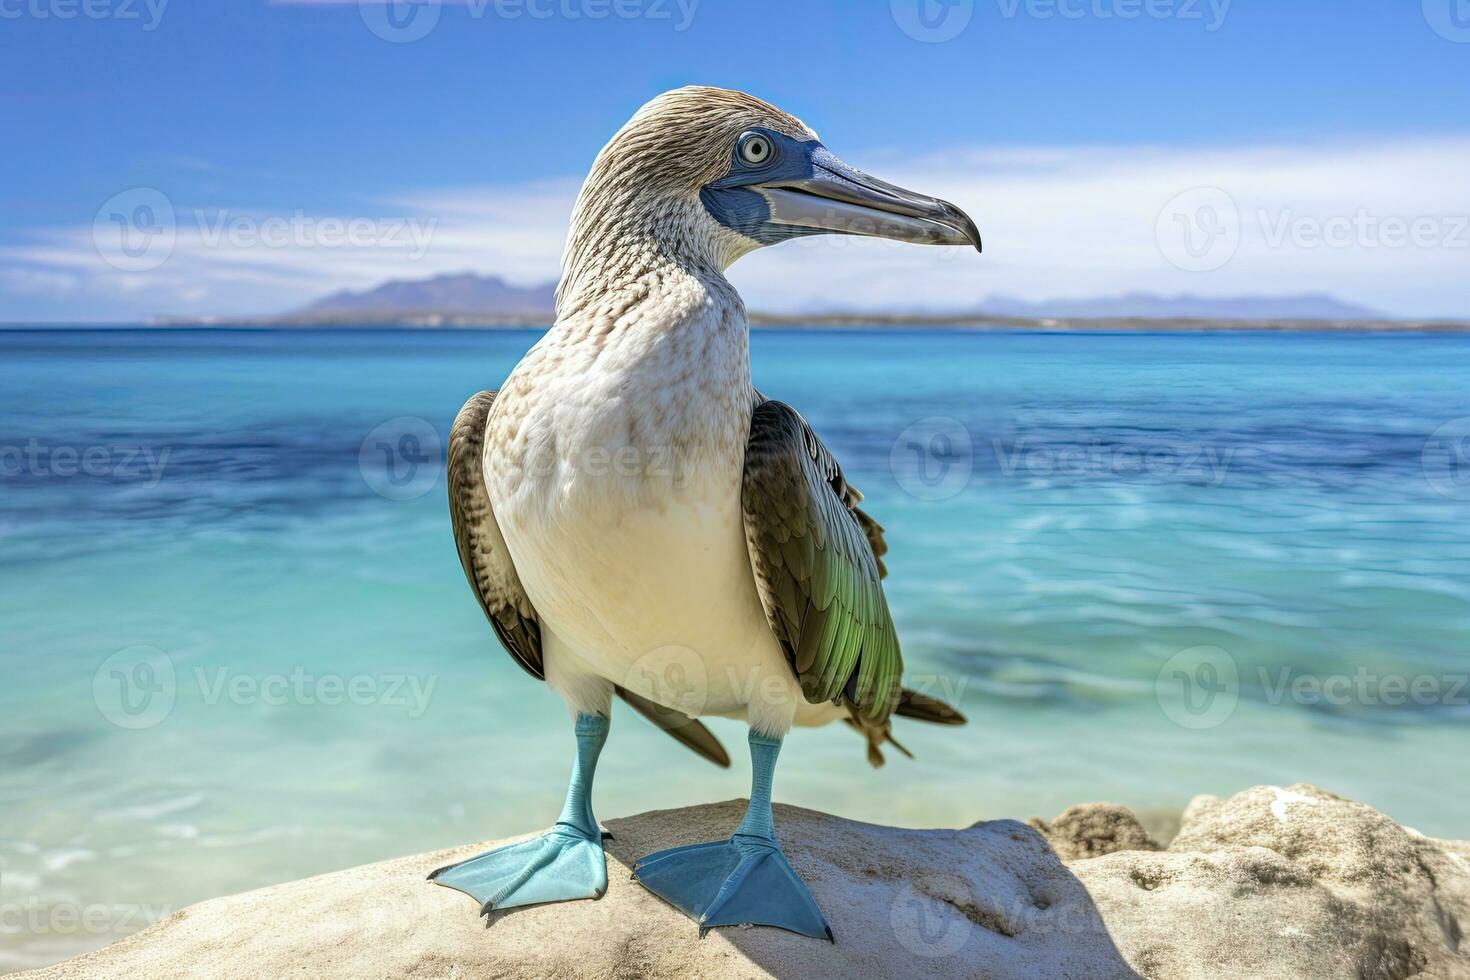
223 261
38 282
1057 223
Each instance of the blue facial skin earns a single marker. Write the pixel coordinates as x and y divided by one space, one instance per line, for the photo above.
857 203
733 204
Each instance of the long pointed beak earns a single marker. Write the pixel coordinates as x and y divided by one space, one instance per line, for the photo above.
843 199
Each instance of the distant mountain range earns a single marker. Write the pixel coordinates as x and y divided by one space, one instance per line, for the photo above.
467 298
454 295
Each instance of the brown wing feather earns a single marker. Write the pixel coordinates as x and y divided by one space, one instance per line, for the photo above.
482 551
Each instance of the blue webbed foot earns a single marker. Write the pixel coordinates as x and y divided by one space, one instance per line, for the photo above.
561 865
743 880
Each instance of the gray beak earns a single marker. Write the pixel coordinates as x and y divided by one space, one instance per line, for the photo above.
842 199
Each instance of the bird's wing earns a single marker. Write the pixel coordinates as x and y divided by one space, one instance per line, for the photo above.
482 550
492 575
817 567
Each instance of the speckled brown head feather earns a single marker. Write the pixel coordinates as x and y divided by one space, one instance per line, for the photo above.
640 202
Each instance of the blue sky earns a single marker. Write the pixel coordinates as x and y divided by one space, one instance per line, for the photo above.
1066 127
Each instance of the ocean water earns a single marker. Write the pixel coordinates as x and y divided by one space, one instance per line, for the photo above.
238 649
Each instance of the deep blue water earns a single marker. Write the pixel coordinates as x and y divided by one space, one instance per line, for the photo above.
238 647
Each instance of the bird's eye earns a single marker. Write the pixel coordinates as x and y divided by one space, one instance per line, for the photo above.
755 149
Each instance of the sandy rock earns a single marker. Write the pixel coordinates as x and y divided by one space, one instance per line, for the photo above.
1270 883
1094 829
1289 882
991 901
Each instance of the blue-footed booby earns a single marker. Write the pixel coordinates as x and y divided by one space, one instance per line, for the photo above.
627 494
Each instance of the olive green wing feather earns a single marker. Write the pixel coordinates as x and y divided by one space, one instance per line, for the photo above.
492 575
816 559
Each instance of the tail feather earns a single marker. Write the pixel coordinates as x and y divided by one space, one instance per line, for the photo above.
921 707
911 704
899 745
688 731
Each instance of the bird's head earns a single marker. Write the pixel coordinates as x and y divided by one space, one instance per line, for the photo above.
725 173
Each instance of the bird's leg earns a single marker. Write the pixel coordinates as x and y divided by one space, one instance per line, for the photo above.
562 864
745 879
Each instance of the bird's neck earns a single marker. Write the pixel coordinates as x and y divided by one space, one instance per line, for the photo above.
646 313
648 324
627 249
649 355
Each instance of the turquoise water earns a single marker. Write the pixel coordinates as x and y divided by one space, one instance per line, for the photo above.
229 660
